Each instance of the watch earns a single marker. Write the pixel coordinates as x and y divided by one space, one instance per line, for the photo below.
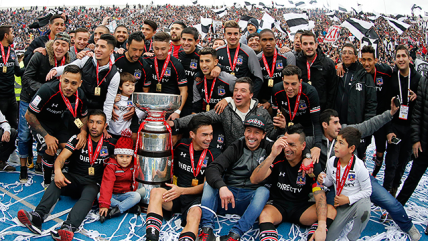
308 155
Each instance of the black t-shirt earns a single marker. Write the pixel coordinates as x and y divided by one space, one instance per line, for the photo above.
183 167
287 183
173 78
309 107
241 69
79 160
190 63
139 69
280 64
382 77
223 88
49 106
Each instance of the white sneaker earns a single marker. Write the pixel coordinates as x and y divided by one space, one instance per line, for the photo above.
414 233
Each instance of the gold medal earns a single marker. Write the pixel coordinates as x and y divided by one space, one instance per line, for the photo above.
290 124
207 108
97 91
270 82
233 73
91 171
174 180
158 87
309 82
78 123
195 182
4 69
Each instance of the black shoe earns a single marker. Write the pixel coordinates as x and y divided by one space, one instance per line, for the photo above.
6 167
230 237
31 220
63 234
111 213
38 168
102 219
135 209
23 175
207 234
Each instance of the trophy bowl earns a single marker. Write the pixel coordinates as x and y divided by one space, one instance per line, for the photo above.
156 101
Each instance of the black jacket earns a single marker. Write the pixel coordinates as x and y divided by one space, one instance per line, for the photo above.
36 71
419 122
37 42
359 99
236 164
323 77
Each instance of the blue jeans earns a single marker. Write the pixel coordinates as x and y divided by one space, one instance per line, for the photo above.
248 204
24 134
381 197
124 201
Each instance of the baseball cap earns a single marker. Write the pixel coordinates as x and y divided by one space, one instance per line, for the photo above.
63 36
256 121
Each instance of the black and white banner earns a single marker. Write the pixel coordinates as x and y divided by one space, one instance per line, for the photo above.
298 21
357 27
399 26
342 8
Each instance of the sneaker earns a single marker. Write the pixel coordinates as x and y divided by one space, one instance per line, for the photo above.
23 176
414 233
31 220
385 217
207 234
38 168
63 234
30 163
230 237
5 167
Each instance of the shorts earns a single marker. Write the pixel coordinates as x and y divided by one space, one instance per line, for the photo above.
183 204
290 211
380 139
60 132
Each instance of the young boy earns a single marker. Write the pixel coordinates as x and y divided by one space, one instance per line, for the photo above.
118 185
123 104
352 185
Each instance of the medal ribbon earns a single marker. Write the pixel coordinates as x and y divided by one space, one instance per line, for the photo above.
62 62
200 162
309 67
93 157
234 60
340 183
163 68
270 73
5 58
296 105
98 69
68 104
206 90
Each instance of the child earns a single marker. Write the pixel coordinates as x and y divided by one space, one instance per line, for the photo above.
352 185
123 104
118 185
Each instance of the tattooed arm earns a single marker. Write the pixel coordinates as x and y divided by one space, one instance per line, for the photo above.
35 124
263 170
60 179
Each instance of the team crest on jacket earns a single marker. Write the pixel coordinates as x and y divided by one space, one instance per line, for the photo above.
379 81
279 65
239 61
351 177
104 152
194 64
359 87
221 90
137 74
129 104
220 138
302 105
204 164
168 72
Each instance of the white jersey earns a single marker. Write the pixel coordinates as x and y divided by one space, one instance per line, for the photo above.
116 127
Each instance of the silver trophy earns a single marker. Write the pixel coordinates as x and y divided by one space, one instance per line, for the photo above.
154 144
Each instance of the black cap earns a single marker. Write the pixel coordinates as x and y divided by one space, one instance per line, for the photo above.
254 22
256 121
